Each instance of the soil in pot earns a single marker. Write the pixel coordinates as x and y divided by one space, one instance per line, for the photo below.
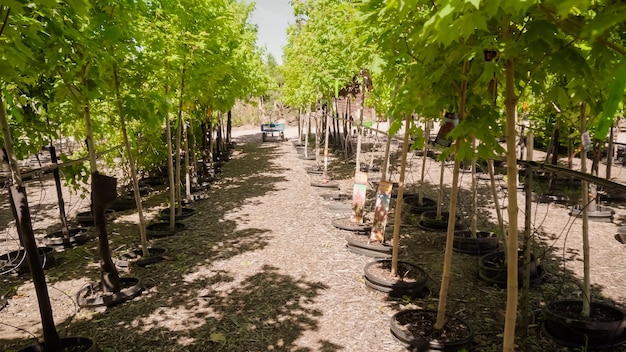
76 237
415 328
492 269
484 242
413 206
135 257
164 214
410 281
162 229
360 244
430 222
123 203
85 218
91 296
73 344
348 225
604 327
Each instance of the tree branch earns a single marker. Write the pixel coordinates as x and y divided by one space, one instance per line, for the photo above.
6 20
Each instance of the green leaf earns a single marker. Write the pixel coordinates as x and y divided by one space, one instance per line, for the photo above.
217 337
615 96
476 3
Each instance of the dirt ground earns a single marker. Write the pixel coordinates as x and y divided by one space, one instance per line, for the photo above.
259 266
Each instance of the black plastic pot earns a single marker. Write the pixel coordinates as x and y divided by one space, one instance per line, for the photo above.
491 269
359 244
162 229
123 203
153 181
15 261
606 328
82 344
405 325
87 298
135 257
396 287
314 170
85 218
325 184
430 222
76 237
413 206
346 224
484 242
164 214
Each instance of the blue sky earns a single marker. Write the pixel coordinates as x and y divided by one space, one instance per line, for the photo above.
272 17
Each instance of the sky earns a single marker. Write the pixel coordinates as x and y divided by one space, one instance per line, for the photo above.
272 17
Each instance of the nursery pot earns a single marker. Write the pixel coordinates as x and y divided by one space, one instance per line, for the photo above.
605 328
164 214
123 203
15 261
429 221
76 237
415 329
82 344
410 281
359 244
484 242
413 206
162 229
491 268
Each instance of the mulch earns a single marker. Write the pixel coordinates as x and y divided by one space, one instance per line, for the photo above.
260 267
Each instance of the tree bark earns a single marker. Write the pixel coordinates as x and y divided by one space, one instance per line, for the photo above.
511 165
398 210
18 199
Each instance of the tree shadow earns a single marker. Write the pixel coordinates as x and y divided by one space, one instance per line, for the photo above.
187 303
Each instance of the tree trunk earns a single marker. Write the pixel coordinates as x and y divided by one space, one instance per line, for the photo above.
57 183
179 122
170 166
609 155
18 199
511 165
496 202
360 132
442 170
398 210
187 170
420 189
586 311
447 260
327 125
385 171
110 279
131 164
229 127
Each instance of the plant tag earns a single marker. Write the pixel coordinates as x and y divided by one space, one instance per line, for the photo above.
358 196
383 196
586 141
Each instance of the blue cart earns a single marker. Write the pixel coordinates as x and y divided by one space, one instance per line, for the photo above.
271 129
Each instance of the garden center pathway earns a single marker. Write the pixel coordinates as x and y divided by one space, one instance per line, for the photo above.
294 284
